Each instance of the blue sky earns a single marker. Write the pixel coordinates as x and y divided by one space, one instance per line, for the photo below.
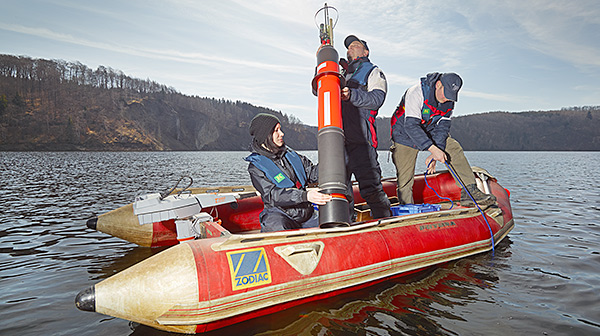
513 55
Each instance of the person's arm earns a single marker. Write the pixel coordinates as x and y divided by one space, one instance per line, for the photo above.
312 170
440 134
374 97
441 131
273 195
312 175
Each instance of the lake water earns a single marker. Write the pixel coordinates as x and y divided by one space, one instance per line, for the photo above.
544 278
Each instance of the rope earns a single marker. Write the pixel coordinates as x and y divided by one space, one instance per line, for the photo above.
468 193
428 186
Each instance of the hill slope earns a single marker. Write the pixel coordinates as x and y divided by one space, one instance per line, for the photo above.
570 129
58 105
54 105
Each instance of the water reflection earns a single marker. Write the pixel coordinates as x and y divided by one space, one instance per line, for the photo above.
105 267
543 278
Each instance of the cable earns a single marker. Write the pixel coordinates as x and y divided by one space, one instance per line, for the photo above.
425 176
477 205
163 195
457 178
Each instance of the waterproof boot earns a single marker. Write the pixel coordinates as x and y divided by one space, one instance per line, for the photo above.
480 197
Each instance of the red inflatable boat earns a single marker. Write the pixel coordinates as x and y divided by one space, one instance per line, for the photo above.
205 284
239 212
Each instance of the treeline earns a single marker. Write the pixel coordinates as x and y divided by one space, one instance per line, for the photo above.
40 74
58 105
567 129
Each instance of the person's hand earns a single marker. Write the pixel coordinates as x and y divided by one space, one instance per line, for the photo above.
430 164
437 155
316 197
345 93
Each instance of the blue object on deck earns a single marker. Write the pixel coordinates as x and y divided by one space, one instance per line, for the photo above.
408 209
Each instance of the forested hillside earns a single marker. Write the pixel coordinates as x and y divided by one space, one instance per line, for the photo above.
59 105
569 129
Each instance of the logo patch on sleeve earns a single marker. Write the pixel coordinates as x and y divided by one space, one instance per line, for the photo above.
279 177
249 268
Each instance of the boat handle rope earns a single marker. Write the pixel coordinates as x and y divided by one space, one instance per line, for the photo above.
457 178
167 193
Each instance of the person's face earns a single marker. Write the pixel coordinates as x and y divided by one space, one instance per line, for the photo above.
278 136
356 50
439 92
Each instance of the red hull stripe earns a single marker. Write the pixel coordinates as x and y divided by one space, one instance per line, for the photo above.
379 271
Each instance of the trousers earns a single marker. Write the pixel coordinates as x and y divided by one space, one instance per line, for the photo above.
405 158
361 160
273 219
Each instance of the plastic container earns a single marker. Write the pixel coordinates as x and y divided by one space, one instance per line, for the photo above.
409 209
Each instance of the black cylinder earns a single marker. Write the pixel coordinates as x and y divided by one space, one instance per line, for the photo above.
332 177
327 53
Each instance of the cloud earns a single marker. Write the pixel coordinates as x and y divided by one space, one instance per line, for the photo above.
559 29
173 55
404 81
492 96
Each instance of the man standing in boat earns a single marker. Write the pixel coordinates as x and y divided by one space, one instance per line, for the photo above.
422 122
363 95
281 176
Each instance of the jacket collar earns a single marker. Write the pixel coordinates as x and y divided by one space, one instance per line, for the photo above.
352 66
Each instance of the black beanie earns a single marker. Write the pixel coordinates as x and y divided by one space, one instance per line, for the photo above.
262 126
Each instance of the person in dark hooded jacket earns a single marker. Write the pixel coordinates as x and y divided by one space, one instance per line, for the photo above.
281 176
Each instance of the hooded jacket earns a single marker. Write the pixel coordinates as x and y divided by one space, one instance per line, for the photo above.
291 200
420 120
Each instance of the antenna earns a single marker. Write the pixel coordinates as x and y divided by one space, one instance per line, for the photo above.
326 26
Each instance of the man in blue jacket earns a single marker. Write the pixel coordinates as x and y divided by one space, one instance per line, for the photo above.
363 95
422 122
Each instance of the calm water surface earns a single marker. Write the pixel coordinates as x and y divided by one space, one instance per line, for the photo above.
544 279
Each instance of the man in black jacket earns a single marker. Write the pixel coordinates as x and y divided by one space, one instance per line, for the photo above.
281 176
363 95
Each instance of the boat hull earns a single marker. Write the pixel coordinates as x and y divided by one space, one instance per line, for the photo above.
210 283
242 216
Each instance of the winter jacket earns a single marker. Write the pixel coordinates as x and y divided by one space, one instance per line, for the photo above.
368 88
419 120
290 197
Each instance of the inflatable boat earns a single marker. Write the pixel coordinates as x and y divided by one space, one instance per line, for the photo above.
227 277
236 209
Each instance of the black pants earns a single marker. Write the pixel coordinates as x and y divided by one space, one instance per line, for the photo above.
361 160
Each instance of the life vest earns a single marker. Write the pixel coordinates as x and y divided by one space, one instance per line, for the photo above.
432 111
359 80
275 174
360 76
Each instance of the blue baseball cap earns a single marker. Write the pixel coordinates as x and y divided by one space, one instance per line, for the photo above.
452 84
352 38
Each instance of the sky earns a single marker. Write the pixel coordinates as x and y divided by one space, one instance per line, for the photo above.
513 55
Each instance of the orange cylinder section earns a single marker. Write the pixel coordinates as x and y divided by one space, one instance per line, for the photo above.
328 92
